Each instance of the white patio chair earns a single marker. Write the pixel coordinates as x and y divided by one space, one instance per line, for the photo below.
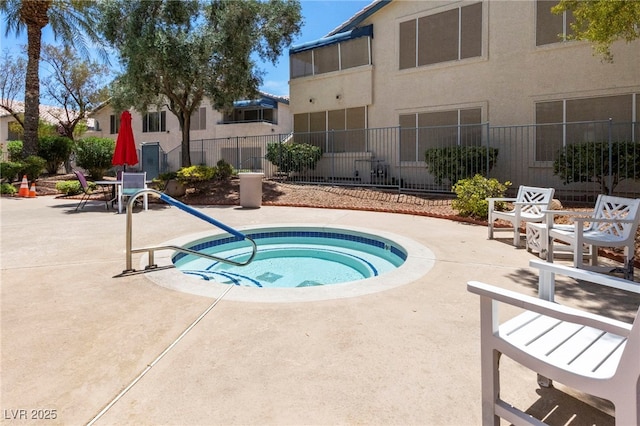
130 184
612 223
527 207
591 353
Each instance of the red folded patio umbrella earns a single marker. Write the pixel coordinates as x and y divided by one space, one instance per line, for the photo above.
125 153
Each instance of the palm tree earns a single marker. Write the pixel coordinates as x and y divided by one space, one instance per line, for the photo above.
72 21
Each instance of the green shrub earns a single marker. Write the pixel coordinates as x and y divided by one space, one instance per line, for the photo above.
293 157
224 170
160 182
459 162
69 187
55 150
94 155
167 176
472 195
589 162
196 176
7 188
33 166
14 148
9 170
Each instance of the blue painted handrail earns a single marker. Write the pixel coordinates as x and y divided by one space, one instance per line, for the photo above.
186 208
182 206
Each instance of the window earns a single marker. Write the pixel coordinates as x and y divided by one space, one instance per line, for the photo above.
352 50
93 124
446 36
341 130
301 64
12 131
561 122
154 122
408 44
252 115
354 53
551 28
326 59
199 119
421 131
438 38
243 157
114 125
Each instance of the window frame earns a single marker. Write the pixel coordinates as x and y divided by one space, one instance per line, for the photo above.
350 125
114 124
312 68
423 128
411 55
148 121
201 116
567 19
571 118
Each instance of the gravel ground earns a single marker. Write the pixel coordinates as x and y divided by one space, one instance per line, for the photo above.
322 196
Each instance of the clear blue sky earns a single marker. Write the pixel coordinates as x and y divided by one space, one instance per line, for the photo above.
320 17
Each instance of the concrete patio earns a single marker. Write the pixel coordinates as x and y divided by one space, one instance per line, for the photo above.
74 337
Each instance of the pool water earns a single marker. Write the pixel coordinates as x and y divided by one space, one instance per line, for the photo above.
295 257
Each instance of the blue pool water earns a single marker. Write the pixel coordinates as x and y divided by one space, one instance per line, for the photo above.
294 257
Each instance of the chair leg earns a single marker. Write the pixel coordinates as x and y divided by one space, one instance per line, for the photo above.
83 201
577 255
629 258
627 411
490 386
550 250
592 252
106 200
516 236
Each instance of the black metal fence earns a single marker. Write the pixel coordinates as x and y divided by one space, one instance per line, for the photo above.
580 160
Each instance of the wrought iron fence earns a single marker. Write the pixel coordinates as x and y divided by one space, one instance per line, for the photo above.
580 160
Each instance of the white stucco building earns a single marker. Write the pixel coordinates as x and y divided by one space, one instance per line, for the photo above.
268 114
414 64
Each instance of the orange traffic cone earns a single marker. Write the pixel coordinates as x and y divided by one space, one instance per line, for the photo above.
32 191
24 187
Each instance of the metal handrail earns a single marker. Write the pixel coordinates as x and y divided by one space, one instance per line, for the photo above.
151 250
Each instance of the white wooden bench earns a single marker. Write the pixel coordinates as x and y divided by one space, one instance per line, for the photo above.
527 207
612 223
588 352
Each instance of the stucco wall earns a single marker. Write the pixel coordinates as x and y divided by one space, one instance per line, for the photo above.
505 81
171 138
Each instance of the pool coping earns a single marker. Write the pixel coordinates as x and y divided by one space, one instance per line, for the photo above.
420 260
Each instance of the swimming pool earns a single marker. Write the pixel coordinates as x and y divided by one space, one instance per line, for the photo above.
293 257
408 261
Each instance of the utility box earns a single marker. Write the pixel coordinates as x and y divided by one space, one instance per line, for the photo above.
250 189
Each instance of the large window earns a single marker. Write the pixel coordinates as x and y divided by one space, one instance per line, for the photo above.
565 121
326 59
334 56
114 124
446 36
354 53
341 130
251 115
243 157
551 28
154 122
12 133
199 119
301 64
421 131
